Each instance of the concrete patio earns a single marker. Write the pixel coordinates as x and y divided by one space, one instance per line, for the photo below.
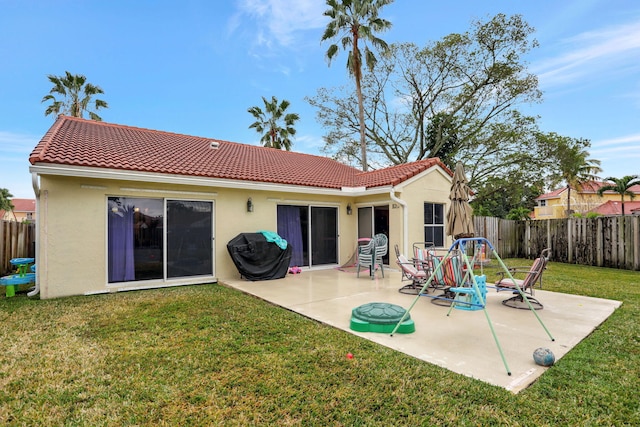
461 342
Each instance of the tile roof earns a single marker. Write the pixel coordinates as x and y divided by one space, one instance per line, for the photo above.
594 186
590 187
78 142
24 205
614 207
551 195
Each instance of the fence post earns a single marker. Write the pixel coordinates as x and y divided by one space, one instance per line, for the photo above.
599 243
569 241
635 229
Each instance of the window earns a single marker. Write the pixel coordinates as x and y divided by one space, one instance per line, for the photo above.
434 223
140 248
543 203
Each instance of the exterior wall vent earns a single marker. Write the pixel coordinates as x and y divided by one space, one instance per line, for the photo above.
215 145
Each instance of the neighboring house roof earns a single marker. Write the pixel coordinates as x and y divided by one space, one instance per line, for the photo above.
613 207
594 186
24 205
589 187
552 195
20 206
78 142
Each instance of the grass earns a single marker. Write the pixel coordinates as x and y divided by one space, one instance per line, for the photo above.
209 355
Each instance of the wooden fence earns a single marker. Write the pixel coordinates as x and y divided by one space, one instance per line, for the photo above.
17 240
603 241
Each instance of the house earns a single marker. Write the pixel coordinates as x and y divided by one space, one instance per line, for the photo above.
23 210
584 199
121 208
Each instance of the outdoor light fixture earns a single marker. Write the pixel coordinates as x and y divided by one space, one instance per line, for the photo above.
249 205
349 210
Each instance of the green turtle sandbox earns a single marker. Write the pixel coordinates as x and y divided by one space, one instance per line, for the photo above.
380 317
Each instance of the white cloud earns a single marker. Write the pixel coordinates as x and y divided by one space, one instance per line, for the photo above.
600 52
621 152
310 144
15 143
280 21
633 140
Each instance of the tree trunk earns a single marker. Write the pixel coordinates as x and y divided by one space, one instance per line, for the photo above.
363 140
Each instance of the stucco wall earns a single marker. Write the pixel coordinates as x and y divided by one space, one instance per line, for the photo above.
72 258
434 187
72 232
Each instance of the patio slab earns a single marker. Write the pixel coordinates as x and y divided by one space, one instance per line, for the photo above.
461 342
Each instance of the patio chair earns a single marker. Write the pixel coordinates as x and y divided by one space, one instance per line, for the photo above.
523 286
381 249
367 258
422 252
410 272
414 270
449 275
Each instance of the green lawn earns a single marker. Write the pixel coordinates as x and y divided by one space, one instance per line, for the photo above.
209 355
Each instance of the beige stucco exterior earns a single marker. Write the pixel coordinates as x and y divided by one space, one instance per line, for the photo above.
72 221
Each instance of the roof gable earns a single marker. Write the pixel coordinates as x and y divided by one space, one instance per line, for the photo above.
79 142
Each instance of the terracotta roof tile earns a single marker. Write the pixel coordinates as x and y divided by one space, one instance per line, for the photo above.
24 205
614 207
590 187
79 142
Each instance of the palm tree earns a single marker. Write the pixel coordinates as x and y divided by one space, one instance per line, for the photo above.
576 168
76 96
268 121
353 21
621 186
5 201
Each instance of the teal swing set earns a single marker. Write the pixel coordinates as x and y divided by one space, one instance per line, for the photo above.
472 290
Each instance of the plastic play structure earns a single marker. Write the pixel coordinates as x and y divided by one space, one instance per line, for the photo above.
471 290
22 276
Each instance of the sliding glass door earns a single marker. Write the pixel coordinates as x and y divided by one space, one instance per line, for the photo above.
141 248
189 238
373 220
312 232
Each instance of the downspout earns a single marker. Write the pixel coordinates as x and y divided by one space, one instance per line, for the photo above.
36 190
405 220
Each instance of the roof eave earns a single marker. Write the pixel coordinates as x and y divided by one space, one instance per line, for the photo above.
162 178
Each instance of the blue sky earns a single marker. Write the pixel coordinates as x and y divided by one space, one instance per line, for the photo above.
194 67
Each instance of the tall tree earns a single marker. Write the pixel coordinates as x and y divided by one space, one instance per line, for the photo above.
441 133
5 201
574 165
75 96
355 21
502 195
268 123
622 186
468 85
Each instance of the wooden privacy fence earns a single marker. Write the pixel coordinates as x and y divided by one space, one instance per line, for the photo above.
604 241
17 240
